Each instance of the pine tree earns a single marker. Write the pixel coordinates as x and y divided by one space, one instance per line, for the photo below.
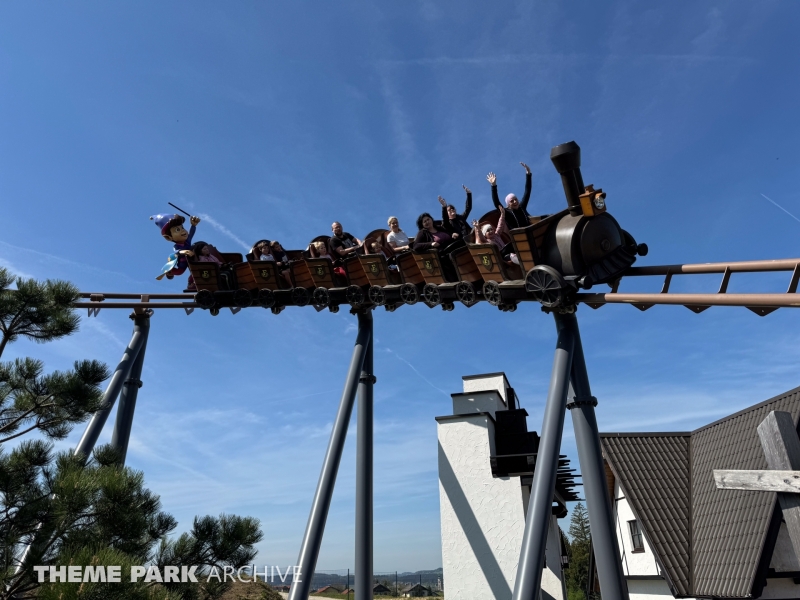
577 575
71 510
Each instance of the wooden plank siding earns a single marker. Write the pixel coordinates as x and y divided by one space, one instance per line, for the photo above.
408 269
265 274
321 272
430 266
465 266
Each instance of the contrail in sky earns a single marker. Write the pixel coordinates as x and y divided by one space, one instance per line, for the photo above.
413 368
783 209
225 231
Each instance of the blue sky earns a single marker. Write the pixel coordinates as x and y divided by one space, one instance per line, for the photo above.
275 119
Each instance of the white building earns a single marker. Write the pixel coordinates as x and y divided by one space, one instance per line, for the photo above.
484 486
682 537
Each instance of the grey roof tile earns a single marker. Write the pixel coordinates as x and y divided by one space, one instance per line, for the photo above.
709 541
654 471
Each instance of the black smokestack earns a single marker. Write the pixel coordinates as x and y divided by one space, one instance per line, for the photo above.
567 161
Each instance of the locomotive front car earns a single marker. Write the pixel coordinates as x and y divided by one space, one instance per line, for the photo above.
583 247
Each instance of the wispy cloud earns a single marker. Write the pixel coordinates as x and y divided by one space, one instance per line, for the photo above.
224 230
14 270
413 368
779 206
63 261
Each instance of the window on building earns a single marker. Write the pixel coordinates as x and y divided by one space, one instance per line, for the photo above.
636 536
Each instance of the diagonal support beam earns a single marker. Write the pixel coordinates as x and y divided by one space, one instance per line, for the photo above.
312 539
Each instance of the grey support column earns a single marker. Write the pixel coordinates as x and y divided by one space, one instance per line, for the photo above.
130 390
121 373
362 582
312 539
598 500
540 505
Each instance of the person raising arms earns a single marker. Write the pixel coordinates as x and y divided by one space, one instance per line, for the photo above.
517 215
453 222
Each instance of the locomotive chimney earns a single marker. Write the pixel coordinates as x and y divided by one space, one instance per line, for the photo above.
567 161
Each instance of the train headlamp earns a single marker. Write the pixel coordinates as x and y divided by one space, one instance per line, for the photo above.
600 201
593 202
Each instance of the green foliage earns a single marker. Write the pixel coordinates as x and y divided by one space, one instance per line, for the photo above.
76 511
579 548
38 311
124 590
213 543
51 403
62 505
267 593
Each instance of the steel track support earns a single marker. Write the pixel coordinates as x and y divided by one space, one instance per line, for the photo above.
129 393
540 505
312 539
598 499
362 581
121 375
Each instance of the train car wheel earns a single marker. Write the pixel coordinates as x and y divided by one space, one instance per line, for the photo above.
204 298
376 295
266 298
242 298
214 311
546 285
409 293
491 291
321 297
354 295
430 294
465 292
334 308
300 296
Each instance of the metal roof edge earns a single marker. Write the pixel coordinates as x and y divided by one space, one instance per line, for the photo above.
748 409
647 434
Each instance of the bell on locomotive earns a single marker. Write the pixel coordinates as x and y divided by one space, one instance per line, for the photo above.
586 246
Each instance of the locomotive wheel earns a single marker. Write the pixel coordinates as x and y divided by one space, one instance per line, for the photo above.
376 295
266 298
465 292
430 294
300 296
214 311
409 293
354 295
546 285
242 298
321 297
204 298
491 291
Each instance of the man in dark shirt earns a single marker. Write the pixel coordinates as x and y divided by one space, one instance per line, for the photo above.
516 213
342 243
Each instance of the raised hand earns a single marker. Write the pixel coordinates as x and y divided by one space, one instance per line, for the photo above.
502 209
466 189
527 168
492 178
194 220
442 201
475 223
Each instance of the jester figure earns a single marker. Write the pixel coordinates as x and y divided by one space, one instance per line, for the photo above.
172 229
